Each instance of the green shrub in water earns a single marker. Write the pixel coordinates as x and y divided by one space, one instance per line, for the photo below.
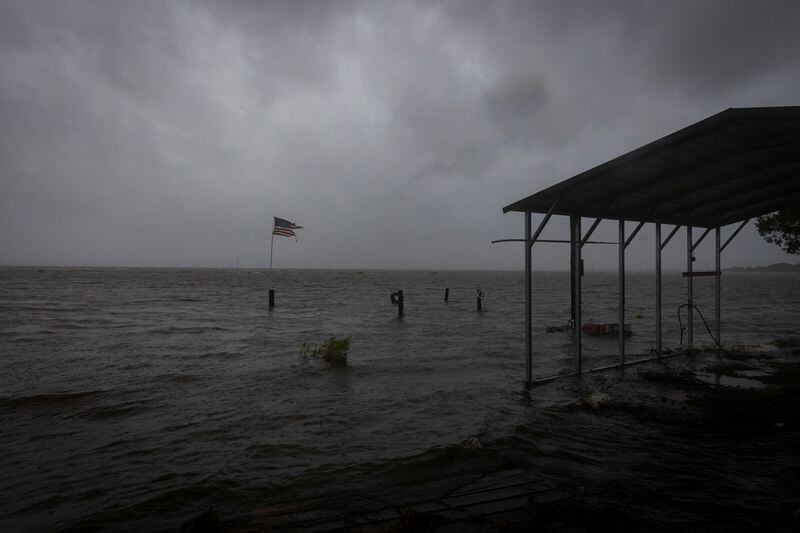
333 350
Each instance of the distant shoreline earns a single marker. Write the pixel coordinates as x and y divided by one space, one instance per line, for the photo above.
776 267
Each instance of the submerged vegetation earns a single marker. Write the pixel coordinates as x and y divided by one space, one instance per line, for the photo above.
736 410
667 376
333 350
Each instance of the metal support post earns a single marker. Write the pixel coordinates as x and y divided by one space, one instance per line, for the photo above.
718 284
621 292
689 288
658 289
571 266
528 302
576 276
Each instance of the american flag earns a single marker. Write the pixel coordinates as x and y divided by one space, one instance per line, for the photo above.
285 228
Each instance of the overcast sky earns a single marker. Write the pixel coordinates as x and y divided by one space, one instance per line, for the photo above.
170 133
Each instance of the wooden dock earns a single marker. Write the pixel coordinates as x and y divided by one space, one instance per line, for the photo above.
483 502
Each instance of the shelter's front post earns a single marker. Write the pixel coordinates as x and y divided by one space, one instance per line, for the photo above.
718 284
576 277
571 278
658 289
689 288
528 302
622 292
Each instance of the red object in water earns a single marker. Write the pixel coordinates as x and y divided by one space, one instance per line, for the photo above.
609 330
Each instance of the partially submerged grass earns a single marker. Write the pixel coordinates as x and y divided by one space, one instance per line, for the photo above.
333 350
729 369
789 342
669 376
741 411
736 410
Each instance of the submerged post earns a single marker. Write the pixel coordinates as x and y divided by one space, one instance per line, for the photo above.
576 276
397 299
689 288
622 292
528 303
658 289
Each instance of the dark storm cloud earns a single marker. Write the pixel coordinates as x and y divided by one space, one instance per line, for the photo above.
711 45
171 133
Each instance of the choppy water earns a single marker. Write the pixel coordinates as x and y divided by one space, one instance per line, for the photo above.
134 398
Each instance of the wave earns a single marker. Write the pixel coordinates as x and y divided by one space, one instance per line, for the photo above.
50 400
170 330
103 412
75 405
220 355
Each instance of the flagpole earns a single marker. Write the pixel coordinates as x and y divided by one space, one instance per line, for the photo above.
271 242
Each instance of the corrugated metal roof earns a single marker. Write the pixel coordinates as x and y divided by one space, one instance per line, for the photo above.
737 164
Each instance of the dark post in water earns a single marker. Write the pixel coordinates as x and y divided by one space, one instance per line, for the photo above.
446 293
271 298
397 299
480 300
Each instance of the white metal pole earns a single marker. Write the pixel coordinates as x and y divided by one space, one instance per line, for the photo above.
718 285
689 287
622 292
576 275
658 289
528 302
271 242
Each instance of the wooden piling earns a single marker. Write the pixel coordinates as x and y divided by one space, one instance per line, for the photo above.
397 299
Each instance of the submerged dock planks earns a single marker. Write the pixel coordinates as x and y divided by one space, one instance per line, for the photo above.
504 497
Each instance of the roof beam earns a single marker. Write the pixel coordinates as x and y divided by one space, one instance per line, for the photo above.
659 177
745 186
660 204
742 168
763 207
740 197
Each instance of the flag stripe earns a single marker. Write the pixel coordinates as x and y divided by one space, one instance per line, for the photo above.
284 228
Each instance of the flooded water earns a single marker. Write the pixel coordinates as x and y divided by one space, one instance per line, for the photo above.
132 399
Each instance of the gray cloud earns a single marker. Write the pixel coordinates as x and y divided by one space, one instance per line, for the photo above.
170 133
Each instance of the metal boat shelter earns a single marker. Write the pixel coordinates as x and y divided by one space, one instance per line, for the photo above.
733 166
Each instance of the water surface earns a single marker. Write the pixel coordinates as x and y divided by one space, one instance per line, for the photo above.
133 398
